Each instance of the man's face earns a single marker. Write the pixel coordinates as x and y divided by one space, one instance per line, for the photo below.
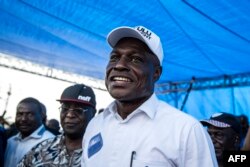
223 139
73 118
132 71
28 118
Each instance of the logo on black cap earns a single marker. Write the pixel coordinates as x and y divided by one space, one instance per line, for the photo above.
79 93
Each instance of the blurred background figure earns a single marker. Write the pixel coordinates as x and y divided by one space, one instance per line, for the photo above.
243 119
53 126
246 145
44 113
11 130
31 131
3 143
246 132
225 132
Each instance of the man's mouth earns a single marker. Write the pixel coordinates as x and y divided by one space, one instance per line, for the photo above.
24 126
123 79
70 124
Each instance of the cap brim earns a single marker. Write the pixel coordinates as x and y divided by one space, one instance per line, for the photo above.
215 123
75 101
122 32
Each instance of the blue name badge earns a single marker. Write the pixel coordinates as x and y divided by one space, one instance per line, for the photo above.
95 144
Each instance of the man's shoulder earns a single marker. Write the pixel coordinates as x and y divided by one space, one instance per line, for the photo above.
167 112
13 138
96 120
47 143
95 124
46 148
55 139
48 134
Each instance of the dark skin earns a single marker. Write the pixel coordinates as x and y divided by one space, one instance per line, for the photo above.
53 124
28 118
73 124
131 74
223 139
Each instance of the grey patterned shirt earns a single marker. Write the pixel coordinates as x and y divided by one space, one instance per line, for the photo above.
51 153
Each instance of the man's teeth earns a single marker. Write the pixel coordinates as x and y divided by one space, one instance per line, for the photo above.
121 79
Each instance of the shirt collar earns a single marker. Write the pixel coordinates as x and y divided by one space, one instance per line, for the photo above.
148 107
109 110
61 141
38 133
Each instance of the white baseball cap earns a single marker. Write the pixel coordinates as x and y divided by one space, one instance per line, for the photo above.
141 33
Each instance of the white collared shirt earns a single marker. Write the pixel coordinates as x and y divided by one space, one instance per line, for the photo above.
18 147
158 134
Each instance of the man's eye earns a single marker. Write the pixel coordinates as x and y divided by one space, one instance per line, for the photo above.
114 58
18 114
220 134
79 110
64 109
30 114
136 59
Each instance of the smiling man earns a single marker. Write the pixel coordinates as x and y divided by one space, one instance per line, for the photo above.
31 131
78 107
137 129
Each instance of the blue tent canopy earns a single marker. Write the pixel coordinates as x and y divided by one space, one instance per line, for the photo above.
201 39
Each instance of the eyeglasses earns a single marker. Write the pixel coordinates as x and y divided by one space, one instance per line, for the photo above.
78 111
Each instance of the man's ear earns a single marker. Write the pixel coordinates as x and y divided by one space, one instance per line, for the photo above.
157 74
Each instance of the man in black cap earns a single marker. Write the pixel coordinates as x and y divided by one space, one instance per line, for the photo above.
78 107
225 132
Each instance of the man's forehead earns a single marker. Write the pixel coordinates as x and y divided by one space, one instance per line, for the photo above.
26 105
24 108
215 128
212 128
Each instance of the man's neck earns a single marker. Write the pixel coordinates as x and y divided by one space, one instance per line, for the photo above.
73 144
124 108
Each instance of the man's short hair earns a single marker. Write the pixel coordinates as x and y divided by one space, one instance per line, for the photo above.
34 101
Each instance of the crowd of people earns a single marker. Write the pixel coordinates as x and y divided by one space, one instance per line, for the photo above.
136 129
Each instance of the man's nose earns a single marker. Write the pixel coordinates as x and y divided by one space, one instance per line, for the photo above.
70 113
24 117
121 64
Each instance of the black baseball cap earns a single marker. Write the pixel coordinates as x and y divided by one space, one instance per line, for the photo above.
79 93
223 120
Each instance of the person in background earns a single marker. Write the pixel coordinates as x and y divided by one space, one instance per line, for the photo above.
246 145
243 119
53 126
44 113
78 107
11 130
225 132
45 121
31 131
3 143
138 129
